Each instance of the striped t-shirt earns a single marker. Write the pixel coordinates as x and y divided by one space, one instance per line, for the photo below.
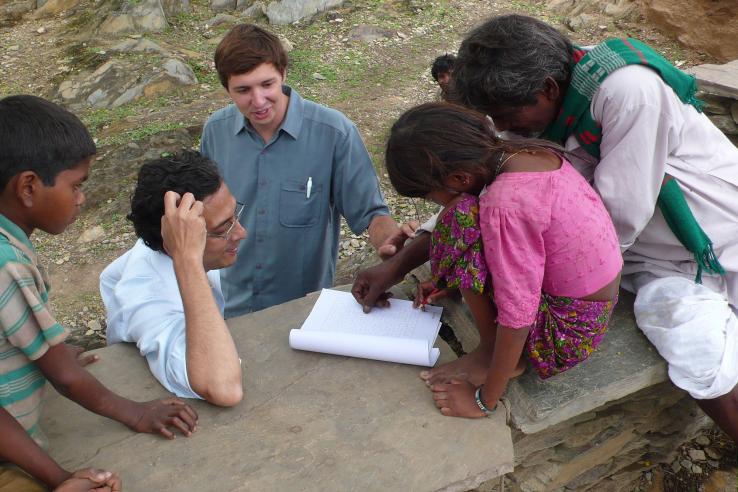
27 327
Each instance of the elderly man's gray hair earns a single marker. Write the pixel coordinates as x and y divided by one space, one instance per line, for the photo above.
505 61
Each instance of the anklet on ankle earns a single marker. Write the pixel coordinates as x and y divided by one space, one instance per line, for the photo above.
480 403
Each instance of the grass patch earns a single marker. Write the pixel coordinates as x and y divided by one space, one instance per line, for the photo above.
204 74
10 89
95 119
141 133
304 63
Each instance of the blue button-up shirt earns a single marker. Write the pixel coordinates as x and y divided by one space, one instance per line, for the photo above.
292 234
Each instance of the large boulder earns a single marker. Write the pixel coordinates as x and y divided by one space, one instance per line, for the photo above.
288 11
12 11
222 5
706 25
118 82
174 7
141 15
54 7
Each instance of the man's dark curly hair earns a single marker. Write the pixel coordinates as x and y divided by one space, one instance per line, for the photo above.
187 171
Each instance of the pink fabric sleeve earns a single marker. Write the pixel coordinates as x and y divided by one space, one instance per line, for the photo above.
515 255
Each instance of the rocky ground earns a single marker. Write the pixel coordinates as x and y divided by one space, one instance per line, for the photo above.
145 93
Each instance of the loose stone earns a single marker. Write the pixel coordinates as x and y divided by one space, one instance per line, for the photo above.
697 455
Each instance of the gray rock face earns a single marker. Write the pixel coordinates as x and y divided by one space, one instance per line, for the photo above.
12 11
258 9
366 34
289 11
721 80
221 19
145 15
174 7
222 5
581 21
118 82
142 45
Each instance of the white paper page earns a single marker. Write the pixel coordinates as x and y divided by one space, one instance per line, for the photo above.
338 325
402 350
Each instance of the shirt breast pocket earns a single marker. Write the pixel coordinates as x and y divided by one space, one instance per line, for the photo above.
296 208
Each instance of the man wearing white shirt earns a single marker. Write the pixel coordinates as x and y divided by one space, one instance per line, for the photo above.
636 132
164 293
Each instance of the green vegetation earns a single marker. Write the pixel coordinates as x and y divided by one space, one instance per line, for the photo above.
95 119
204 74
136 134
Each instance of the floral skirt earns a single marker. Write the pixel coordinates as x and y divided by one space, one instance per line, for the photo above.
566 332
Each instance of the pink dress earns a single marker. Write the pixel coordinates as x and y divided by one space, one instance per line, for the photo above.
545 233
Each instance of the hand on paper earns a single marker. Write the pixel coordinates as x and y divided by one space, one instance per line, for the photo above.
370 286
456 399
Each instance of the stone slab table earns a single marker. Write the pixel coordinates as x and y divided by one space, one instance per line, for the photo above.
308 422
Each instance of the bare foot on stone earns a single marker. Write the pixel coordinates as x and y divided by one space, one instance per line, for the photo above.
472 367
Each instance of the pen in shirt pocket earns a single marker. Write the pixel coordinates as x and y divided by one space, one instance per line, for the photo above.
309 187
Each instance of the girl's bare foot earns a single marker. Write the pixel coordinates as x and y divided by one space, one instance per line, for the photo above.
472 367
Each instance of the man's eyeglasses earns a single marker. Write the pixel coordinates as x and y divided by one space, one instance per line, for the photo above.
232 223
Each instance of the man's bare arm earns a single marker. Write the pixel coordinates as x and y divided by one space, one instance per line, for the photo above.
213 367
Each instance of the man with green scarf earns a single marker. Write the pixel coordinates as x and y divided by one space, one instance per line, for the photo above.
669 178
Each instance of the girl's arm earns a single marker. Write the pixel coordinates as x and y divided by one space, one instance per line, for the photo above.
456 398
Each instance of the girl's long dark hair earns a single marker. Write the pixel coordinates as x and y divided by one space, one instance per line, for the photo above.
433 140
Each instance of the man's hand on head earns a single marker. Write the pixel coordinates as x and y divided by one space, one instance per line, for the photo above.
183 226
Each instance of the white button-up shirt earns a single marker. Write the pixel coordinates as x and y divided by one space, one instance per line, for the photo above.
141 296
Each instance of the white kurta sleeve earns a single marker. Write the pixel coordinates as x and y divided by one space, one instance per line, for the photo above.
640 128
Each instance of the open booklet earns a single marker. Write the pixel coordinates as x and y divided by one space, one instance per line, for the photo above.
338 325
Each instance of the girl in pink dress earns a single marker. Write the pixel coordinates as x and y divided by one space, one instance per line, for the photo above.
536 256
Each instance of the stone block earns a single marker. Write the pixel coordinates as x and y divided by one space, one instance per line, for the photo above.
288 11
721 80
308 422
594 458
625 363
734 111
714 104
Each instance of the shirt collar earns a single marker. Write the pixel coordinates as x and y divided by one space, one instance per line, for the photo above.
292 123
17 237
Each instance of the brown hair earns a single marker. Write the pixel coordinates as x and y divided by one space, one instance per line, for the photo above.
433 140
244 48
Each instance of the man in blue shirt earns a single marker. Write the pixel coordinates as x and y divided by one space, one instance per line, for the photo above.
298 166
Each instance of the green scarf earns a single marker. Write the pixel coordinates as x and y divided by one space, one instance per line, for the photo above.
575 118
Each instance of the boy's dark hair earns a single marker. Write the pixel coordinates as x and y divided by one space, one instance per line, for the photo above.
244 48
39 136
185 172
442 64
433 140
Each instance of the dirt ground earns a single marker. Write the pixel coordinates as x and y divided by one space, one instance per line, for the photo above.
371 82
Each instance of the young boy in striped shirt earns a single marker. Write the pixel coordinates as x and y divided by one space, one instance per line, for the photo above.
44 160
